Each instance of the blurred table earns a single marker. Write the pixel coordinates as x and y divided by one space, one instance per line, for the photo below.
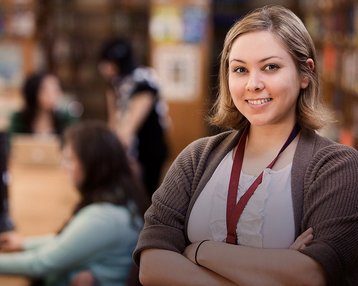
41 200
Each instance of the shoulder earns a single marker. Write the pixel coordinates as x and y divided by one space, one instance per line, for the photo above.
209 143
17 114
327 149
98 208
145 74
65 115
325 156
17 117
17 122
145 79
312 145
103 211
336 155
194 159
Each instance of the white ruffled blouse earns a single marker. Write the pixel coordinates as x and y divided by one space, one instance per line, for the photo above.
267 220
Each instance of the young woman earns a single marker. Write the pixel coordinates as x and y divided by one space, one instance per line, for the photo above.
40 115
102 233
231 205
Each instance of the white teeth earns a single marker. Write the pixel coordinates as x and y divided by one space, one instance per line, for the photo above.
259 101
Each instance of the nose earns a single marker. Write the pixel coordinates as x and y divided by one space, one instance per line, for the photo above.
254 83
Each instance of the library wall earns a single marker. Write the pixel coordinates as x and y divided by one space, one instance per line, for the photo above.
65 37
179 40
17 52
71 34
333 26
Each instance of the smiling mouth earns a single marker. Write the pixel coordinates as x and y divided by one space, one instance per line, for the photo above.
258 101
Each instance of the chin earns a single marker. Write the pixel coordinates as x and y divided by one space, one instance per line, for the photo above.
259 123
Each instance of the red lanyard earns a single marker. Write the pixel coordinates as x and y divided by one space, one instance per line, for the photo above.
233 209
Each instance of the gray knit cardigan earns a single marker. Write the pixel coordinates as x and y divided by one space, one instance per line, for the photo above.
324 193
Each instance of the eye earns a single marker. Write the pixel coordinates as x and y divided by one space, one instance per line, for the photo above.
271 67
239 69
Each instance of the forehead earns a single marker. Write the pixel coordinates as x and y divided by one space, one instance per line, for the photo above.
257 46
49 80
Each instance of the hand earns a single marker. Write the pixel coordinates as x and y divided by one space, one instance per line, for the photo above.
302 240
126 137
83 278
10 242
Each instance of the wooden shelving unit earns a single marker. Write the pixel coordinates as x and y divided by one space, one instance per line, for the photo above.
180 45
17 49
71 34
334 28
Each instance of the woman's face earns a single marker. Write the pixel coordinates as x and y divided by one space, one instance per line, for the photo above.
108 70
49 93
263 79
72 165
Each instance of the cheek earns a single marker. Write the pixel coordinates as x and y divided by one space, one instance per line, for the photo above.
237 89
47 100
287 87
107 70
77 175
74 172
292 88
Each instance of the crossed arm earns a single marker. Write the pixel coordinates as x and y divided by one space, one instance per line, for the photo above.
226 264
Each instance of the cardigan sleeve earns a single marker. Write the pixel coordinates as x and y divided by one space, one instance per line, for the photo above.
331 208
90 231
165 218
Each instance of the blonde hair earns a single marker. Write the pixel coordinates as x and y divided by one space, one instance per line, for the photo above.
290 30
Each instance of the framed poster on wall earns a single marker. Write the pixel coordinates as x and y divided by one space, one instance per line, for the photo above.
11 65
178 68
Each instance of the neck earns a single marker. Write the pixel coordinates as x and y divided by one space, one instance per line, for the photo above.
43 122
43 113
269 137
262 146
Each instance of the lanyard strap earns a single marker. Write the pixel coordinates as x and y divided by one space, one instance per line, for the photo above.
233 209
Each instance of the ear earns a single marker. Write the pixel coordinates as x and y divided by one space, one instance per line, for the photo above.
305 80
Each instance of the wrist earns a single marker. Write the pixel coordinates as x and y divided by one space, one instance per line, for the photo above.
196 256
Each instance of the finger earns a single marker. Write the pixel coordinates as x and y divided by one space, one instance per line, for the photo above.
302 240
306 236
306 233
307 239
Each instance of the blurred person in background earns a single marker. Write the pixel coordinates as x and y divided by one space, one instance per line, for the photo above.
135 109
41 114
6 223
94 247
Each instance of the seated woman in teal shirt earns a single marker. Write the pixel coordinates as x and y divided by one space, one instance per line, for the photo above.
102 233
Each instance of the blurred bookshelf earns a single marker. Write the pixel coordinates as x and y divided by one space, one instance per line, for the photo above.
333 26
71 34
17 52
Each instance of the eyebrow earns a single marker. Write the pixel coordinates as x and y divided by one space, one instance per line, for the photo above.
260 61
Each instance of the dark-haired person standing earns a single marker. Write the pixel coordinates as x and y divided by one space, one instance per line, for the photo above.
135 110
